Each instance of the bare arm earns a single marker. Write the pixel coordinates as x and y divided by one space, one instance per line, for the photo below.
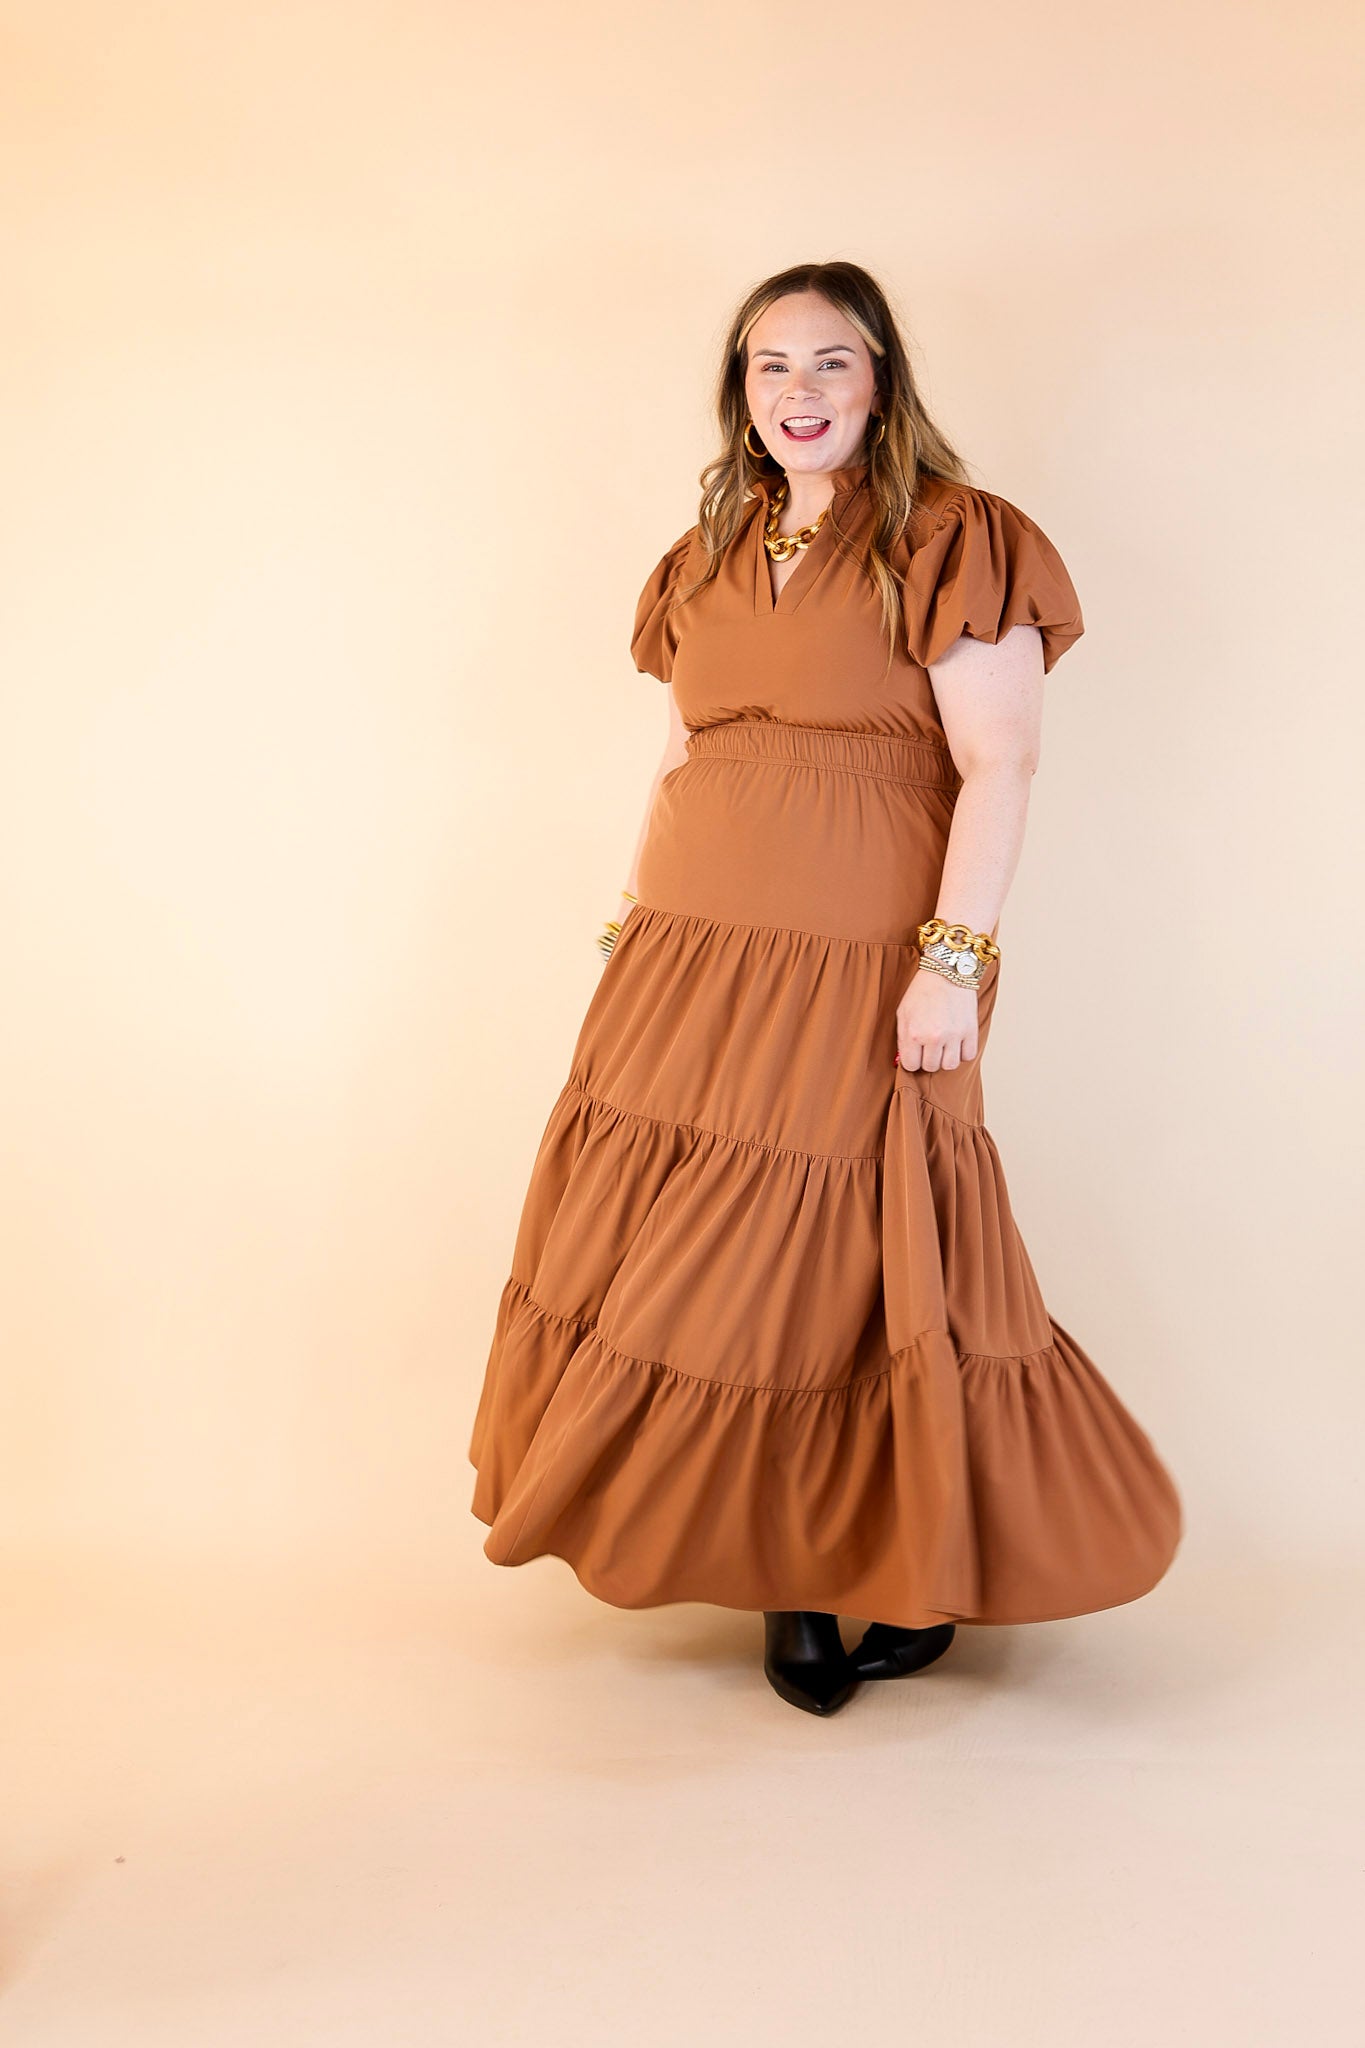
990 700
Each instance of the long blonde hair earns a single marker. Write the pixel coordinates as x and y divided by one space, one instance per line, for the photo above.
912 447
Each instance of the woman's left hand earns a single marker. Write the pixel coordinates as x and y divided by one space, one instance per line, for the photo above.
935 1023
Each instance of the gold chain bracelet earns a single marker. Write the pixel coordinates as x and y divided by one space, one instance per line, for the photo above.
611 930
956 951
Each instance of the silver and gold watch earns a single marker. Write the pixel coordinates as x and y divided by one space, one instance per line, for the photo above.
956 951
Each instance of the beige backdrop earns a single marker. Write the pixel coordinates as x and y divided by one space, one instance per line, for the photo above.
357 370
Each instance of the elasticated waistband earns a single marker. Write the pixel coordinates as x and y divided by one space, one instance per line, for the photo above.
886 755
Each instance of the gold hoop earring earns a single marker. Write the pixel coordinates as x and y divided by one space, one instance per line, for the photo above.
881 429
757 453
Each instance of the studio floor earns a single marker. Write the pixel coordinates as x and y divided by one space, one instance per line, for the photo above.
491 1810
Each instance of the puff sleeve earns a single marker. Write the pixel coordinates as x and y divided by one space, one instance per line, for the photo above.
654 640
985 567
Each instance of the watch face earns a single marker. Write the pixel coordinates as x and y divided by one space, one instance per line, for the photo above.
965 963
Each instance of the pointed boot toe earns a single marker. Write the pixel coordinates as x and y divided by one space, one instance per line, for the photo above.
811 1687
805 1663
887 1652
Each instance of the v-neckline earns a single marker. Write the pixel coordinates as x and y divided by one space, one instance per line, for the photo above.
794 589
813 557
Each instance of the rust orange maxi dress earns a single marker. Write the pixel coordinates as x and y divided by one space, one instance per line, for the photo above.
771 1337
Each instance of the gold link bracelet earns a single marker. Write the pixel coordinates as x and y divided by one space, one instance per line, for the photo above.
611 930
955 951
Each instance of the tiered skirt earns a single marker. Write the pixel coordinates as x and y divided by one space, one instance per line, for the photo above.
771 1337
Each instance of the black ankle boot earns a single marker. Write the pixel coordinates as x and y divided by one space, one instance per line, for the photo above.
804 1660
887 1652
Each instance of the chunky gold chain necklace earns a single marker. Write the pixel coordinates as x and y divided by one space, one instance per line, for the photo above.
782 546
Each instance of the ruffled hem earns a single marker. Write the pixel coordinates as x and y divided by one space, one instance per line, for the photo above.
793 1353
943 1487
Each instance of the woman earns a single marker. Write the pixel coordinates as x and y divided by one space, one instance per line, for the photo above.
771 1338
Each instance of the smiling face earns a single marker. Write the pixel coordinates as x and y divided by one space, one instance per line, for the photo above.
810 383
